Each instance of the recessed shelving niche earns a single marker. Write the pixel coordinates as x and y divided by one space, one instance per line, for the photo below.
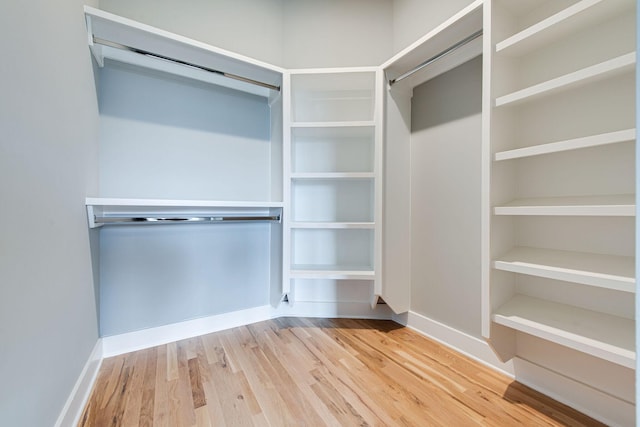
562 190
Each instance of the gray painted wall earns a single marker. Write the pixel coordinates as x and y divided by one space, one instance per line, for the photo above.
48 163
297 33
289 33
167 137
445 197
158 275
337 33
171 138
249 27
414 18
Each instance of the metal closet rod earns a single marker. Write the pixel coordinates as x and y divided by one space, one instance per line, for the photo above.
434 58
188 64
182 219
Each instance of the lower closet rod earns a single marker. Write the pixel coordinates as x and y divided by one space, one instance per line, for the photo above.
174 220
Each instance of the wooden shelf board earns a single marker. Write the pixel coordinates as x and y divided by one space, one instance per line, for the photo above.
570 20
313 132
332 175
571 144
590 74
601 335
605 271
335 272
107 201
616 205
128 32
355 123
333 225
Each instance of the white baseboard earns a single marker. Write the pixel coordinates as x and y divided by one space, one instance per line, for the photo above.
146 338
72 410
358 309
138 340
472 347
588 400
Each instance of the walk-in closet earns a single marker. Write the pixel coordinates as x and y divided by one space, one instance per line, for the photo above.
319 203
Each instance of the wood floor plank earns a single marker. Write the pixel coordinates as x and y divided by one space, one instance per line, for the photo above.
313 372
185 402
133 404
229 390
270 402
148 389
172 361
195 378
161 397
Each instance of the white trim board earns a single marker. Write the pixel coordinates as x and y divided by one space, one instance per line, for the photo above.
73 407
146 338
342 310
588 400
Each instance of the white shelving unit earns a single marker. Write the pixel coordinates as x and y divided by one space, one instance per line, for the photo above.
332 176
560 140
191 135
105 26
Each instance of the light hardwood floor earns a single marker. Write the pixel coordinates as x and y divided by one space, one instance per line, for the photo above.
313 372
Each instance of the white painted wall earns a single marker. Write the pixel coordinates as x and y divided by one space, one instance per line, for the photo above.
48 164
337 33
445 198
414 18
249 27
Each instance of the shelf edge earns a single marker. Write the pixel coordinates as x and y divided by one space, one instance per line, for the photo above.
582 76
567 145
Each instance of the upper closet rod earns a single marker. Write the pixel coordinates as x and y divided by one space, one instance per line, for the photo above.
173 220
440 55
188 64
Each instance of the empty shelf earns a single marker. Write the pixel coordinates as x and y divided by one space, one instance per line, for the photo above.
335 272
602 335
570 144
332 175
124 31
605 271
617 205
590 74
570 20
319 124
333 225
